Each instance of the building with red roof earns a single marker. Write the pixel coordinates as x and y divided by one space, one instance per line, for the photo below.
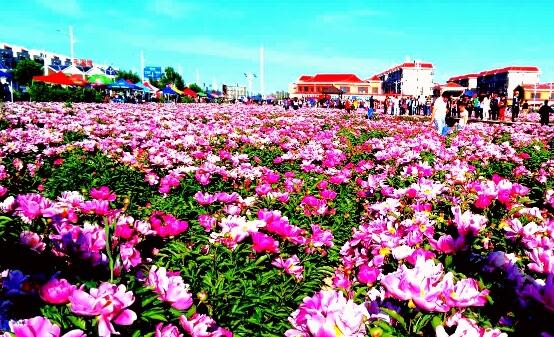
499 80
408 79
317 85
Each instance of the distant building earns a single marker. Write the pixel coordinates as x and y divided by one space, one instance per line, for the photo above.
318 85
500 80
537 93
408 79
234 91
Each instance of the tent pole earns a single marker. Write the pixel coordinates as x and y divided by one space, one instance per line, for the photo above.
11 89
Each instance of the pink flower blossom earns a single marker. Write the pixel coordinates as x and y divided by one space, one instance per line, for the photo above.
102 193
108 303
170 288
263 243
40 327
168 330
32 240
291 266
56 291
203 326
167 225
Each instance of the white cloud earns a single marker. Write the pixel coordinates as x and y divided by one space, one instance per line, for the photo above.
63 7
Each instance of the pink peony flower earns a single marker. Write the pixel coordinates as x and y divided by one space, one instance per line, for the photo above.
32 240
167 225
291 266
170 288
108 303
263 243
40 327
169 330
203 326
102 193
367 274
56 291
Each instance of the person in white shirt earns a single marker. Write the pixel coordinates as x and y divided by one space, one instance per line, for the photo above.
439 112
486 107
464 115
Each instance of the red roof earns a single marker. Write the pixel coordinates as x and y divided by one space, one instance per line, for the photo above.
547 86
425 65
374 78
452 85
496 71
331 78
463 77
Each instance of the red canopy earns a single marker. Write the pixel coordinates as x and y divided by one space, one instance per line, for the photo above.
190 92
59 78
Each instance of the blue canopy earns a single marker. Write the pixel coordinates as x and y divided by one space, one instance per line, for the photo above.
123 84
469 93
143 87
5 74
256 97
169 91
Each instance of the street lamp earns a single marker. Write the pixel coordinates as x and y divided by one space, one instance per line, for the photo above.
71 41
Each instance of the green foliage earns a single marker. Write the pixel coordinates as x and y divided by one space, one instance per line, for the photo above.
84 170
41 92
170 76
187 99
428 157
128 75
74 136
195 87
538 155
25 70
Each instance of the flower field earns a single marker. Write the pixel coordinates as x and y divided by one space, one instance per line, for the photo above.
206 220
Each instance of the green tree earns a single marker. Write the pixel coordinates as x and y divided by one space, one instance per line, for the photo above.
128 75
195 87
170 76
25 70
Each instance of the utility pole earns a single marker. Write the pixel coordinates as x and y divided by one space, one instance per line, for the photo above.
262 73
142 65
71 43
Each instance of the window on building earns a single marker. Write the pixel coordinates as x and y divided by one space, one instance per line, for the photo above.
375 90
305 89
345 89
552 95
362 90
535 95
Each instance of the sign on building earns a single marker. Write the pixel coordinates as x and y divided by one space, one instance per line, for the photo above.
154 73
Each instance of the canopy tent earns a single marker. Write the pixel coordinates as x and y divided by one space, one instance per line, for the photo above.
201 94
143 87
150 86
99 79
168 91
78 80
256 97
469 93
174 88
73 70
123 84
56 78
190 92
95 71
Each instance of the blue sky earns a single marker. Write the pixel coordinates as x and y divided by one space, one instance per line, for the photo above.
221 39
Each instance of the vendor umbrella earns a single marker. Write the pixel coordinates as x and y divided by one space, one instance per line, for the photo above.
55 78
190 92
100 79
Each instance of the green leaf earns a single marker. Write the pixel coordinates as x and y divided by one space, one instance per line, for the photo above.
396 316
78 322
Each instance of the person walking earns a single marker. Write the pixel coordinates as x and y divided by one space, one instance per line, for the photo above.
494 107
545 112
502 103
485 107
439 113
515 106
